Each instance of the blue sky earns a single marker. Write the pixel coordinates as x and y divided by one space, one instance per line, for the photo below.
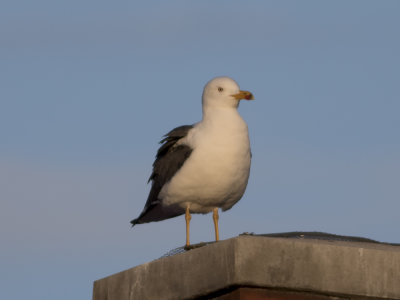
89 87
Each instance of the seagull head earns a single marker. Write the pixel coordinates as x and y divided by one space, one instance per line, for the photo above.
224 92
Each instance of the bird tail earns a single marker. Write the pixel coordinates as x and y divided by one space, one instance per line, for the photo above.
134 222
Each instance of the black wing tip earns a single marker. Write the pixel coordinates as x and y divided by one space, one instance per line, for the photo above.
134 222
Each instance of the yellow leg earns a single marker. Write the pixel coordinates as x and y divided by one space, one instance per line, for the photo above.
188 217
215 218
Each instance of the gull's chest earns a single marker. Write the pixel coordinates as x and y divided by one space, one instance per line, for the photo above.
217 171
223 150
221 158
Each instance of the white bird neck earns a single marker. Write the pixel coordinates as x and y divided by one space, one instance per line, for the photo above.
222 117
218 112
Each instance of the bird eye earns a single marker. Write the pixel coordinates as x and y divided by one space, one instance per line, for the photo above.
220 89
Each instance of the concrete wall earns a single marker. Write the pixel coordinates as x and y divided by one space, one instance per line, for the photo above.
287 267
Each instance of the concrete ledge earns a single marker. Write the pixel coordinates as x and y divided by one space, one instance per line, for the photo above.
327 268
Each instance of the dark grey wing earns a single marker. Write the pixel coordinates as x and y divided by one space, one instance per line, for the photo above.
169 159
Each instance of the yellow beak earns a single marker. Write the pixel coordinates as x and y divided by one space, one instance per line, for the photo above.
243 95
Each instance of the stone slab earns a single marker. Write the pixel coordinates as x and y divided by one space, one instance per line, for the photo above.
344 269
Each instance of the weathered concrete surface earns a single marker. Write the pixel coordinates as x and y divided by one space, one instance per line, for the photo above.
332 268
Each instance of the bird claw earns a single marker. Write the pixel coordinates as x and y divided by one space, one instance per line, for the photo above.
194 246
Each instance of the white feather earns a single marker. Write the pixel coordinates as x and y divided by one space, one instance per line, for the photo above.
217 171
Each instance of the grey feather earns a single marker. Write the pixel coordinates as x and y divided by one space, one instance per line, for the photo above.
169 159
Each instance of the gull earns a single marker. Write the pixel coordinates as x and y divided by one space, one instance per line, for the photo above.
202 167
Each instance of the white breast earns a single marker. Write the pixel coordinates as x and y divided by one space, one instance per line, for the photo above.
217 171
